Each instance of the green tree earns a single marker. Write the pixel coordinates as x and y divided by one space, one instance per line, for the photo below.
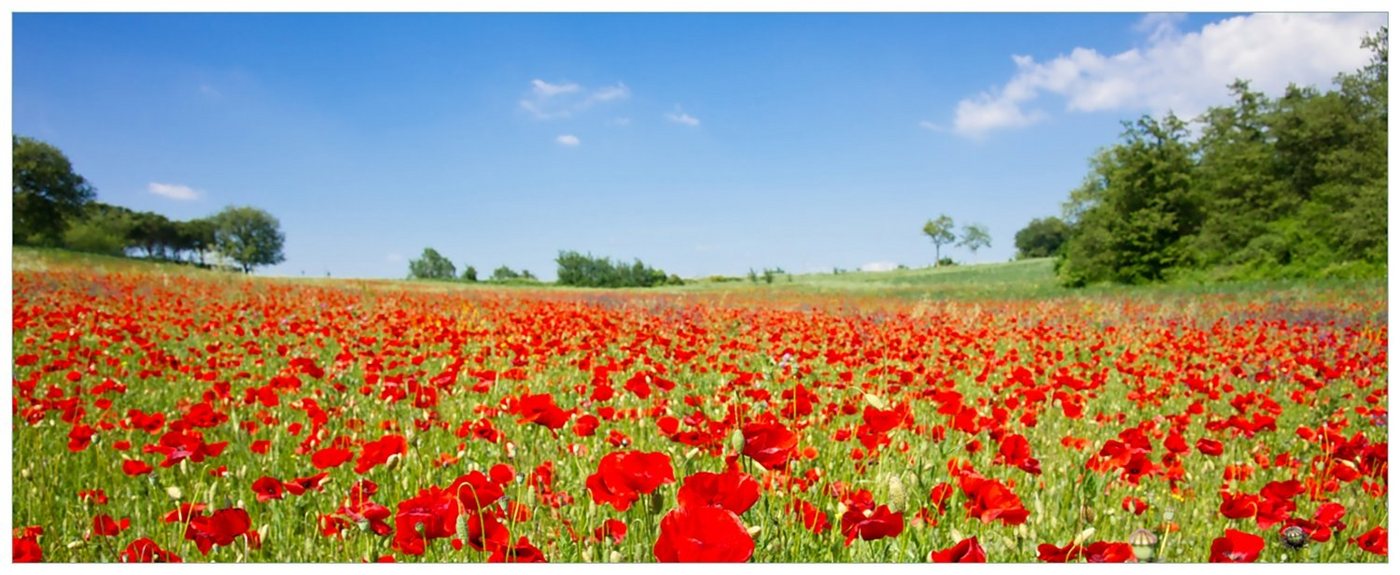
940 231
975 237
103 229
1041 238
47 192
249 236
469 274
197 236
431 266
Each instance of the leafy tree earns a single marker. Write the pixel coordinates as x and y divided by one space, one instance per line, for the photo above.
47 192
249 236
197 236
940 231
102 229
431 266
975 237
469 274
504 273
154 234
1041 238
577 269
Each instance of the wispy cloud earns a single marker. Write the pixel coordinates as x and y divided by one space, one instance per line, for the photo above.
680 117
1181 72
173 191
548 101
567 140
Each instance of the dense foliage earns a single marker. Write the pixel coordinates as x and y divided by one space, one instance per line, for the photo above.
1041 238
1266 187
432 266
585 270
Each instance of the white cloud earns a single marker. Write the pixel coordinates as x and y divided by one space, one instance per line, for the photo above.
173 191
1174 71
879 267
567 140
680 117
548 101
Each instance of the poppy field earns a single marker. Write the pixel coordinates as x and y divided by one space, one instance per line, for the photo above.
207 418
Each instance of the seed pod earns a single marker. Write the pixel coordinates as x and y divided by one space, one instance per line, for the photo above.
736 441
462 532
1086 514
657 502
173 492
393 462
1144 544
1294 536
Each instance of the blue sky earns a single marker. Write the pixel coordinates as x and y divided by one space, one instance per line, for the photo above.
700 143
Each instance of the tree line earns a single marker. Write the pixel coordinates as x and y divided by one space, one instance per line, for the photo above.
575 269
54 206
1287 187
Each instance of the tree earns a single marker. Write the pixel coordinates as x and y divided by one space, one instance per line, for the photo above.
1041 238
469 274
103 229
975 237
47 192
431 266
249 236
197 235
939 230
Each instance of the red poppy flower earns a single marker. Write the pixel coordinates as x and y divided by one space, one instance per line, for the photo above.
1134 505
1236 547
221 528
939 496
432 514
1238 506
871 524
623 476
812 517
1015 451
586 425
611 529
331 457
378 452
1210 447
1374 541
26 550
80 437
475 491
966 551
178 446
703 535
990 500
134 467
540 409
1106 552
1049 553
144 550
733 490
184 512
301 485
267 489
521 552
769 444
105 526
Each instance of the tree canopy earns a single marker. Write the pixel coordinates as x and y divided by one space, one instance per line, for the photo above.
249 236
940 232
431 266
1041 238
47 192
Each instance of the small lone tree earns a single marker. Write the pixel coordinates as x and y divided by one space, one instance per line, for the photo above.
975 237
940 230
431 266
249 236
469 274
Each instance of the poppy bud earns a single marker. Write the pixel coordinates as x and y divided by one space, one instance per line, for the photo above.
615 557
736 441
657 502
1294 536
462 531
392 462
173 492
1144 544
898 497
588 554
1086 514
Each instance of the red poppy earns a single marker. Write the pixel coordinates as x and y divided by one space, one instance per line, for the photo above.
812 517
1238 506
611 529
864 520
1134 505
26 550
1049 553
144 550
521 552
432 514
540 409
267 489
623 476
178 446
703 535
105 526
378 452
1236 547
1015 451
1374 541
475 491
990 500
331 457
1106 552
769 444
134 467
966 551
184 512
939 496
80 437
221 528
733 490
301 485
1210 447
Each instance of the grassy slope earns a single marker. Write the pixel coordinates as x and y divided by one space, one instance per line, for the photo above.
1025 279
